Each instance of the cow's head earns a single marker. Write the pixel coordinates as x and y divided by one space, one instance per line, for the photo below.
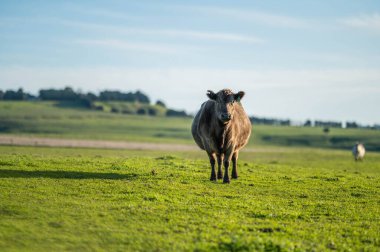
225 103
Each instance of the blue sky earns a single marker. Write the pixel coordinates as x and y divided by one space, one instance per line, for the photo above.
294 59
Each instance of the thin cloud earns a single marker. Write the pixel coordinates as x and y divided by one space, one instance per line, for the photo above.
191 34
206 35
241 14
130 46
106 13
261 17
174 33
368 21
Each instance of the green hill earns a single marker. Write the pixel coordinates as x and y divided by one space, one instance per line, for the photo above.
71 120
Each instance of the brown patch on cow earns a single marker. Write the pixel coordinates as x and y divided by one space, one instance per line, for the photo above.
222 128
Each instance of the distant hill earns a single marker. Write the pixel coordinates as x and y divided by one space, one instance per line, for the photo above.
70 119
136 103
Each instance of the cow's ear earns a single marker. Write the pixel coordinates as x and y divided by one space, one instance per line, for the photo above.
239 96
211 95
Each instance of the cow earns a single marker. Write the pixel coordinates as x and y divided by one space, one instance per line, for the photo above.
358 151
222 128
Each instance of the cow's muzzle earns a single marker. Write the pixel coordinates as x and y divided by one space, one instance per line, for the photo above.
225 117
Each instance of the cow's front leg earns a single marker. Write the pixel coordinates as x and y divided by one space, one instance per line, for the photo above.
226 161
212 162
235 156
219 159
226 178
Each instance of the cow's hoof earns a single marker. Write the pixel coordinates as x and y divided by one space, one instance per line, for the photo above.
213 179
234 176
220 176
226 181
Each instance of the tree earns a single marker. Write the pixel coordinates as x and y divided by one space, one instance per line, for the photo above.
91 96
141 111
119 96
142 97
352 125
172 112
18 95
160 103
66 94
307 123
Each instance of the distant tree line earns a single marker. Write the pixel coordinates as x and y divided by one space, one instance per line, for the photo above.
308 123
89 99
328 124
18 95
269 121
68 94
334 124
119 96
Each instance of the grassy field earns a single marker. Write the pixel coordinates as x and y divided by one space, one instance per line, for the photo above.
67 120
296 192
286 199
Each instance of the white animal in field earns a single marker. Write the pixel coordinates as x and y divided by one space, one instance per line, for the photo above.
358 151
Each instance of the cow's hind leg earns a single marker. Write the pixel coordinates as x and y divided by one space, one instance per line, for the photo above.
212 162
235 156
219 159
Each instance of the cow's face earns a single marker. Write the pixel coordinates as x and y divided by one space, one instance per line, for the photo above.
225 103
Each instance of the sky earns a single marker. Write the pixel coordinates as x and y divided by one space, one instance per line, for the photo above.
298 60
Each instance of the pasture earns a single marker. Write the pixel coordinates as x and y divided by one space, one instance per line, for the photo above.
292 194
100 200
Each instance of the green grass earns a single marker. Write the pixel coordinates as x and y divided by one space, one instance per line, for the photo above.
314 137
68 120
130 107
51 119
286 199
